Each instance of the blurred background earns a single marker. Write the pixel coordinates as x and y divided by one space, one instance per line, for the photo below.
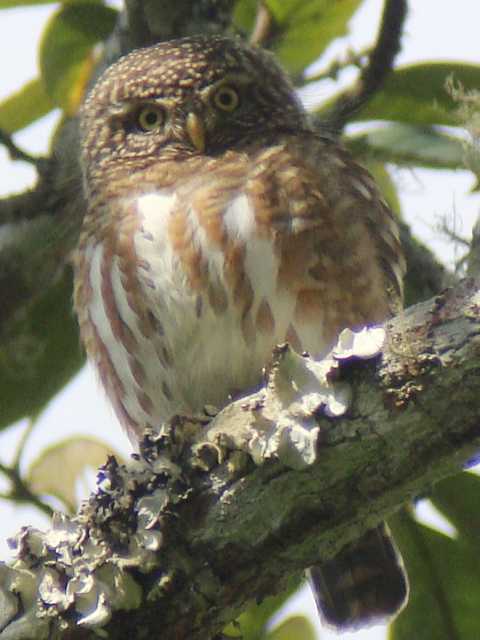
429 200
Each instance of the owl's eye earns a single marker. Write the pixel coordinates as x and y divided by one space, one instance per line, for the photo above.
150 118
226 99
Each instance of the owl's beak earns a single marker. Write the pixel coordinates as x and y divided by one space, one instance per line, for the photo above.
196 131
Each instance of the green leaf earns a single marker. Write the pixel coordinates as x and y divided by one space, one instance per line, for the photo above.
66 46
444 585
405 144
244 14
24 106
417 94
41 354
58 468
294 628
253 621
8 4
304 28
458 499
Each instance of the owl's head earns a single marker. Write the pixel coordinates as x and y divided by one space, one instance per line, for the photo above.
198 95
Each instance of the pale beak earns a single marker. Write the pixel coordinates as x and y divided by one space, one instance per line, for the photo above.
196 131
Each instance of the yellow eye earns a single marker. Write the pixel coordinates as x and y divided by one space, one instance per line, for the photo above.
150 118
226 99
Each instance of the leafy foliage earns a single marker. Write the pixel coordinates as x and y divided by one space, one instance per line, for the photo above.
48 473
25 106
445 582
65 50
253 623
406 145
302 29
42 354
416 94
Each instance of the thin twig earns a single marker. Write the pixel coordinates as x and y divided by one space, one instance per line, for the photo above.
263 25
21 492
21 443
376 71
18 154
451 234
352 59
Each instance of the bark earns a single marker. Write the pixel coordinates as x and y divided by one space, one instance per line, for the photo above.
215 514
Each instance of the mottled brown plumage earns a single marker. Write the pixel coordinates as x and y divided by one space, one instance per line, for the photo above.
220 224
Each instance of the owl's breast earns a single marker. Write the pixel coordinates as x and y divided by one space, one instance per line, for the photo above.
210 283
183 299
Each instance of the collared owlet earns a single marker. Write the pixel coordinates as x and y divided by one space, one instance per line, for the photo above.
220 224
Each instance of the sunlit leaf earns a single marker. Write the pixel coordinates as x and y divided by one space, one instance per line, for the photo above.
304 28
58 468
444 585
244 14
294 628
301 29
65 49
417 94
409 145
458 499
41 354
24 106
8 4
253 621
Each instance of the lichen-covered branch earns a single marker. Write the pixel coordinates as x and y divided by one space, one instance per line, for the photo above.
216 513
16 153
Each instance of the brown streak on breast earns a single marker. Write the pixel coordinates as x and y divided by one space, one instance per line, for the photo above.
248 329
217 297
208 207
165 357
111 381
128 264
145 401
190 256
107 294
292 338
265 321
138 372
166 391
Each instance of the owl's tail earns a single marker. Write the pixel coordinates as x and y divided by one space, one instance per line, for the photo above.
363 584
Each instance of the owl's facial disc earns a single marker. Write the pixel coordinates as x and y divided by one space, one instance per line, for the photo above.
198 95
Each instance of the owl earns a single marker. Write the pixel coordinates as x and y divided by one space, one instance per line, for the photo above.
220 223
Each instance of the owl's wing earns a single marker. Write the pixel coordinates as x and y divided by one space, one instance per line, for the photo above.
340 253
332 226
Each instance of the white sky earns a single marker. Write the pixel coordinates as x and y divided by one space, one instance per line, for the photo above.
434 30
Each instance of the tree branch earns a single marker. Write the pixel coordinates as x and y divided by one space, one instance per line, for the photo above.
379 65
175 545
19 154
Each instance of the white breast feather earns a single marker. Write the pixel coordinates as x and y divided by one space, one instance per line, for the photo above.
98 315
